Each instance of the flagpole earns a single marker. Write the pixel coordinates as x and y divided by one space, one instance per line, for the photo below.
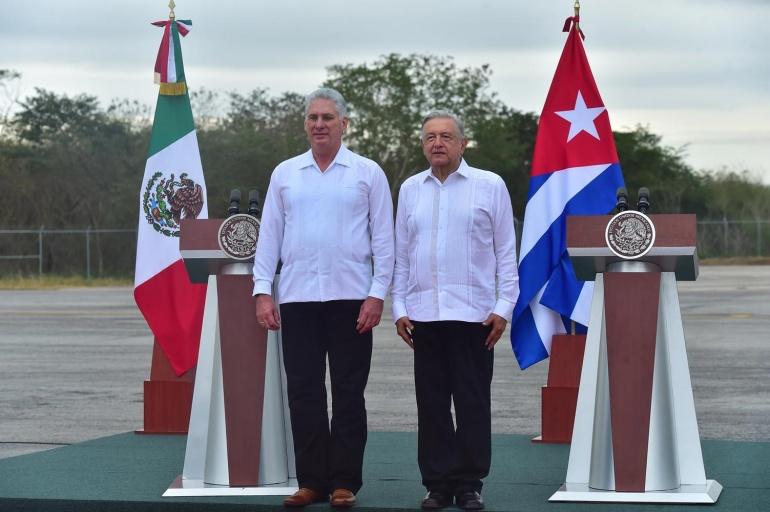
577 14
573 324
172 16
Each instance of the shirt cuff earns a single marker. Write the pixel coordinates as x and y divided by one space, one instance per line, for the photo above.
262 286
399 310
504 309
377 291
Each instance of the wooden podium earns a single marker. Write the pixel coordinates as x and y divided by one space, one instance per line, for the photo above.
635 437
239 440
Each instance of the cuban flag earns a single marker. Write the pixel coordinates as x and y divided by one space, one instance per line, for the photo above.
575 171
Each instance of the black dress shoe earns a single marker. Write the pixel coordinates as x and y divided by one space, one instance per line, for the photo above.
435 500
470 500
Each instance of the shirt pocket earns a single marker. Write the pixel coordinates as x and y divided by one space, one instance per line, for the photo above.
351 203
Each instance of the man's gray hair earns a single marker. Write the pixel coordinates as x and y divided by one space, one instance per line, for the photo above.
327 93
443 114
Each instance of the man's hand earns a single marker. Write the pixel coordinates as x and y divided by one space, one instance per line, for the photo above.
369 315
267 313
404 329
498 324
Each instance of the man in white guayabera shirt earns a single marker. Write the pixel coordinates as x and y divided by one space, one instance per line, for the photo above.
328 217
454 288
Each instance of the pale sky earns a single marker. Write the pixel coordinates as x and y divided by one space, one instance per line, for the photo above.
695 72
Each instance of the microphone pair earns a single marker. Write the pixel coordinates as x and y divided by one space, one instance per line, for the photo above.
642 204
235 202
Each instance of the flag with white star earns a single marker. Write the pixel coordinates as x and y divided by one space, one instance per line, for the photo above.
575 171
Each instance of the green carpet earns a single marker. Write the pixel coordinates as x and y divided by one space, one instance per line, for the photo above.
129 472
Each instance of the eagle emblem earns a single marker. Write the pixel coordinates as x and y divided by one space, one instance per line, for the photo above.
167 200
630 234
238 236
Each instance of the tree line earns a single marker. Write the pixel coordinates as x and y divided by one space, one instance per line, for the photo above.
70 161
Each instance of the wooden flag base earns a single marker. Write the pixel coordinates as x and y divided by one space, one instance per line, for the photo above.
559 395
167 398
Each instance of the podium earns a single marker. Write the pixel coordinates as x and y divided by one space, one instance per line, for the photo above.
635 436
239 440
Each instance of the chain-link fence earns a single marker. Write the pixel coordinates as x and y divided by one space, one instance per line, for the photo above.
87 252
111 252
730 238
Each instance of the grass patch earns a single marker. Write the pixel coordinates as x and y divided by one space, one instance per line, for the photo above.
49 282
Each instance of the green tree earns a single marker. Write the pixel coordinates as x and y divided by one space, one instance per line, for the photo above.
735 195
674 185
46 116
241 149
389 98
504 143
68 161
72 163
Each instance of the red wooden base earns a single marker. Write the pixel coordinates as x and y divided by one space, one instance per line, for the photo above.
167 398
557 414
559 396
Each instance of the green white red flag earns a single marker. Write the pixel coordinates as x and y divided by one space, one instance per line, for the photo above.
172 189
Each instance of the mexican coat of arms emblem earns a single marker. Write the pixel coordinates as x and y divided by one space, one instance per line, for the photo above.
166 201
630 234
238 236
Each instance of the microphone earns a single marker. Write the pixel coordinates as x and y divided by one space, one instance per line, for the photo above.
622 196
235 202
643 204
254 203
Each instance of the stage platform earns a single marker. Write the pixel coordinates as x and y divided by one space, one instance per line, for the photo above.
129 472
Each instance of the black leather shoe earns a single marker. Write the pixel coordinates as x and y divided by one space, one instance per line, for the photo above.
470 500
435 500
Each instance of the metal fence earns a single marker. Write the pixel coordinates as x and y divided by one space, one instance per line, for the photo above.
88 252
112 252
733 238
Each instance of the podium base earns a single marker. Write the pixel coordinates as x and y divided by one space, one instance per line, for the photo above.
181 487
708 494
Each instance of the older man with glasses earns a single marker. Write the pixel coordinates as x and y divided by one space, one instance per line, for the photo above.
454 288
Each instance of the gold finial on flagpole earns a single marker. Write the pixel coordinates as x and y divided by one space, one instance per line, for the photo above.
577 13
171 6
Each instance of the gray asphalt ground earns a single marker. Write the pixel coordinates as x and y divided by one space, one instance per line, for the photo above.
72 363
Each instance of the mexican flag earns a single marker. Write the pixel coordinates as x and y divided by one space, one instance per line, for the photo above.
172 189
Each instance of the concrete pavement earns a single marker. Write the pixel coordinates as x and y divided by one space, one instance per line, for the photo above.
72 363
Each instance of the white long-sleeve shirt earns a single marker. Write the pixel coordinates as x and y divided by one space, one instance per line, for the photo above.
455 248
332 230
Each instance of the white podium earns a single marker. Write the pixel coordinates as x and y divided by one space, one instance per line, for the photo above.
239 440
635 436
